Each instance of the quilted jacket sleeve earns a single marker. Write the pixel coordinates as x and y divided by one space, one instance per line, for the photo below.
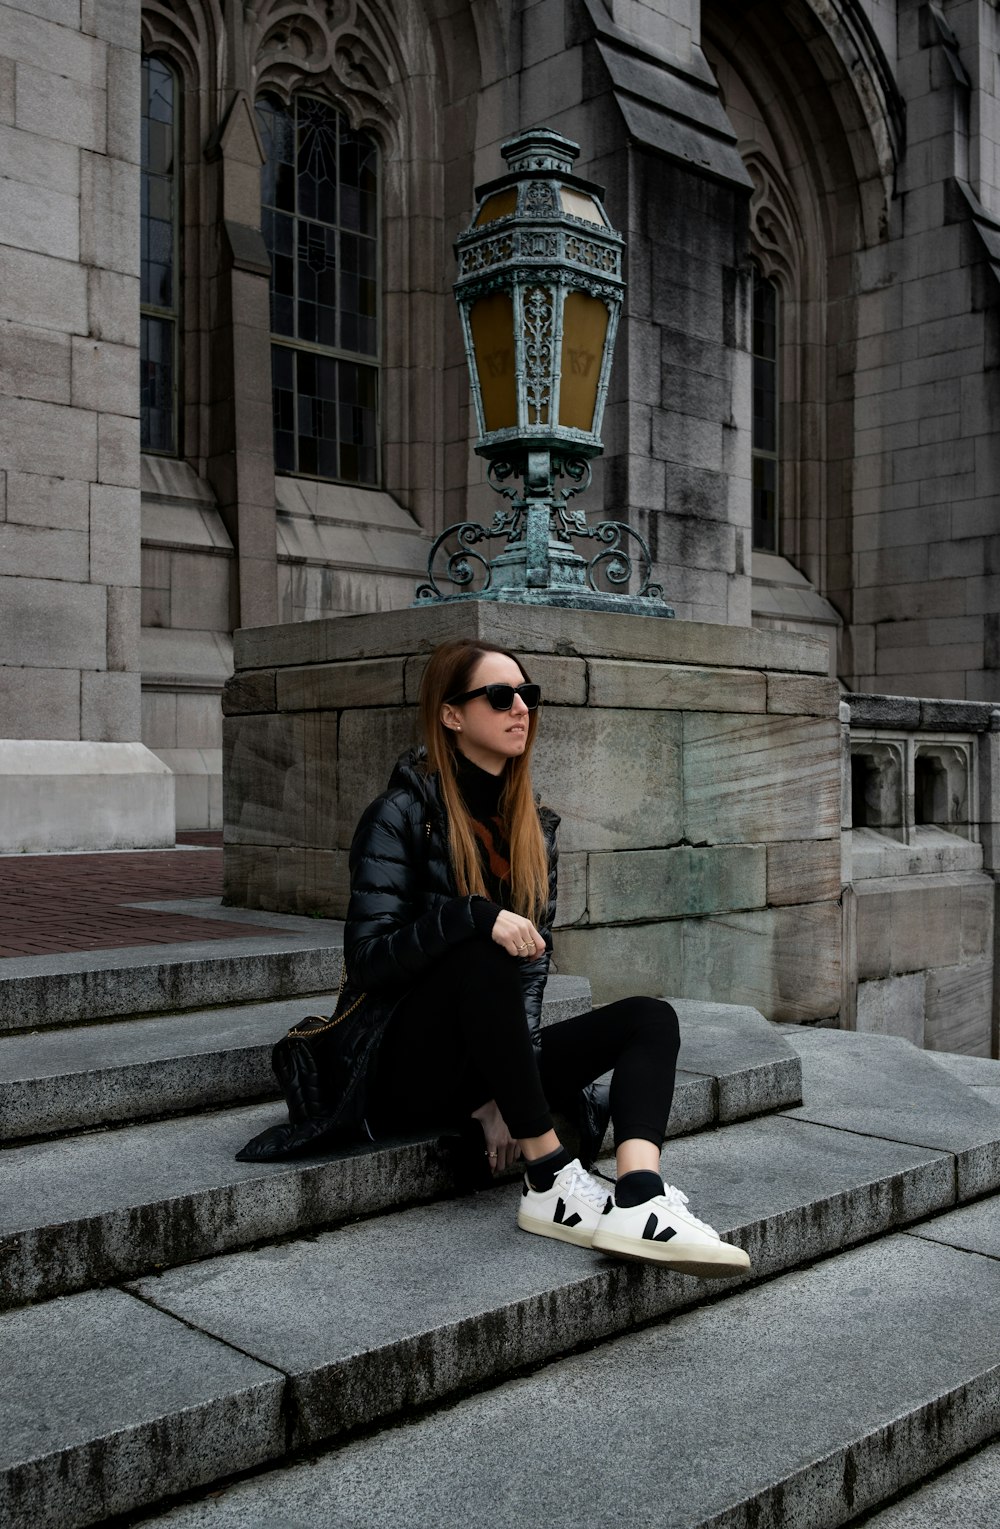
534 974
391 935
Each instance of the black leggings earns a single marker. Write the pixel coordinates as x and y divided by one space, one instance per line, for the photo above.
459 1038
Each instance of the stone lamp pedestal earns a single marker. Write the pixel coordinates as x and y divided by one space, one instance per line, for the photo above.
696 769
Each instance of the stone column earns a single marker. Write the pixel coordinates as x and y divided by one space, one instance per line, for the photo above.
240 462
73 773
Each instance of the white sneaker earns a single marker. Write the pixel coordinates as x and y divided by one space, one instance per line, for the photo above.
663 1231
570 1210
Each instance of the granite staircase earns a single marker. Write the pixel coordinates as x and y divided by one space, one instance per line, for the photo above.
346 1342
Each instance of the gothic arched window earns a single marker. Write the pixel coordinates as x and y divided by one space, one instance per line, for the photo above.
159 295
319 217
765 320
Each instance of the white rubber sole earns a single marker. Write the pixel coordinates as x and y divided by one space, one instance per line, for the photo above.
720 1262
579 1235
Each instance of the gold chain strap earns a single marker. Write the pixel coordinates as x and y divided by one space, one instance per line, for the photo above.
334 1019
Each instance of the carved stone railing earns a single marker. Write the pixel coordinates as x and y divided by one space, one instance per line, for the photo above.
921 856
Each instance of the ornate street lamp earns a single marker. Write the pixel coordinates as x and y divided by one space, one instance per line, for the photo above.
539 291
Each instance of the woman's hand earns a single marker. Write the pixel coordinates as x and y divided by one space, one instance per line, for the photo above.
517 936
501 1148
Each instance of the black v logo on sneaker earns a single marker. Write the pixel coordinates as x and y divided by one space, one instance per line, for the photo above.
650 1233
561 1218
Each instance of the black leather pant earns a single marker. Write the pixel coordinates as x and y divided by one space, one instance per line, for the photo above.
459 1038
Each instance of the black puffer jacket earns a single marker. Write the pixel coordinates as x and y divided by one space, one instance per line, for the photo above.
405 912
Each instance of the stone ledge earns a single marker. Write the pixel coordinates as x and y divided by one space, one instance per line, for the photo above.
528 629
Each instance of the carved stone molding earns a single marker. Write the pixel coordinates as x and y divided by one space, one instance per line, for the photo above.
347 48
774 223
190 33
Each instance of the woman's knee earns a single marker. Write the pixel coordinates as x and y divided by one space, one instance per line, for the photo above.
655 1021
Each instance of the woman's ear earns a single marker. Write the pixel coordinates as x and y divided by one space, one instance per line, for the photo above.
450 718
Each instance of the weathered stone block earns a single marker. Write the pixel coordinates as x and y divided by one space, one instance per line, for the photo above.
48 438
959 1008
255 691
281 780
641 959
977 918
332 687
530 629
675 687
123 626
39 290
105 377
803 870
893 1006
123 104
109 230
313 881
34 363
51 624
571 907
199 721
118 458
39 160
249 875
110 710
370 742
34 218
909 923
81 116
786 962
884 710
26 549
199 592
113 307
39 703
802 695
755 780
114 535
640 885
613 776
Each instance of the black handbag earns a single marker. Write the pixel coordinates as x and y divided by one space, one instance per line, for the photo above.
321 1065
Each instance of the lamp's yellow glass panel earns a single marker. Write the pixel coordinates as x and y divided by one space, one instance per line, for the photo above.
499 206
492 323
585 329
579 205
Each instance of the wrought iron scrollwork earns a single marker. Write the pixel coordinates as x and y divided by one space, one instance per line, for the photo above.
458 565
617 563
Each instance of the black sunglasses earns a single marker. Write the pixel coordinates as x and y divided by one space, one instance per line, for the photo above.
501 697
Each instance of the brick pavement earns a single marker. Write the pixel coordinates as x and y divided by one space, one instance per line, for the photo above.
54 903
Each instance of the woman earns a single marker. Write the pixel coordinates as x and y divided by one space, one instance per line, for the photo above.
453 889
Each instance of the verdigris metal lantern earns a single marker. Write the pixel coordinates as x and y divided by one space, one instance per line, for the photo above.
539 291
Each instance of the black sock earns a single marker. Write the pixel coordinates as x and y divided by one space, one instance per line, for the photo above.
636 1187
542 1171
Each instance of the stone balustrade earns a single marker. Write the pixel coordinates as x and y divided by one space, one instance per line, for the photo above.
921 854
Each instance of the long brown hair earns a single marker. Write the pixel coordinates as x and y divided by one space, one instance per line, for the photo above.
449 672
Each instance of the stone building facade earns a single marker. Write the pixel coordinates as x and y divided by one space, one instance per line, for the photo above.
232 384
830 467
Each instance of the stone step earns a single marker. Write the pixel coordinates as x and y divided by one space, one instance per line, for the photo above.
968 1495
292 1346
102 1206
806 1401
72 989
54 1081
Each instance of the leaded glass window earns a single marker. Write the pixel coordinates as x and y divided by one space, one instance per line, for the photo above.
319 217
765 413
159 295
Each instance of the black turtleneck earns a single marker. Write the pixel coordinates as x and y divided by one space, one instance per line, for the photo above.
481 794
